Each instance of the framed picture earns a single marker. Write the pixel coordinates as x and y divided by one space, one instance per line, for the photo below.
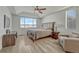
6 21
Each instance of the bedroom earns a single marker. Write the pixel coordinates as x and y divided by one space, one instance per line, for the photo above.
41 19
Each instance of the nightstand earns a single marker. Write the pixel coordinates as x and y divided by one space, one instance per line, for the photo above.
55 35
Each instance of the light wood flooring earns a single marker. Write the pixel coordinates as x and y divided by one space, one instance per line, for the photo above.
26 45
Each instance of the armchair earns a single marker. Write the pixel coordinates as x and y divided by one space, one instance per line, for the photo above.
69 44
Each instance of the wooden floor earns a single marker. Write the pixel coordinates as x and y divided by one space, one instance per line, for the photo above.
25 45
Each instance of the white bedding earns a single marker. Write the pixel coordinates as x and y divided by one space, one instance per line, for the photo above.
38 33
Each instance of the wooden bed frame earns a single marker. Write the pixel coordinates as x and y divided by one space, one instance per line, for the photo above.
31 37
50 24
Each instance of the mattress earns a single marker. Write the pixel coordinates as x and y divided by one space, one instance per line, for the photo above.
38 33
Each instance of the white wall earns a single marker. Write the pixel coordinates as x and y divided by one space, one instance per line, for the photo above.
3 11
16 25
58 17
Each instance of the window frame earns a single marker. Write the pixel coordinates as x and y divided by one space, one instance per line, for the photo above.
25 25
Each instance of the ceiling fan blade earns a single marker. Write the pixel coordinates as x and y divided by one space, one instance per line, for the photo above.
39 9
36 9
42 9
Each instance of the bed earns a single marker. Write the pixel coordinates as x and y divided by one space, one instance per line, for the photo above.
36 34
40 33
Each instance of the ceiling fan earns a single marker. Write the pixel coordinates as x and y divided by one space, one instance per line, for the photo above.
39 9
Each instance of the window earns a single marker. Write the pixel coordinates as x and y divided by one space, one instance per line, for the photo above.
27 22
71 19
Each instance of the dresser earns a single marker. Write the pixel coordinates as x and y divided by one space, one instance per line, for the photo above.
8 40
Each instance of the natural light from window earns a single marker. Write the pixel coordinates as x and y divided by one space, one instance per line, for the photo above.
27 22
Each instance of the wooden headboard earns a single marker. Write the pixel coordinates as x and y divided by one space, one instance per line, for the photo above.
49 25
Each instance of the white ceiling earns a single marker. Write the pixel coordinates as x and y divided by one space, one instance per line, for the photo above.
29 10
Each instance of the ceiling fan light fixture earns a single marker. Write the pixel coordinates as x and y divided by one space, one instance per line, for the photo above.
39 9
